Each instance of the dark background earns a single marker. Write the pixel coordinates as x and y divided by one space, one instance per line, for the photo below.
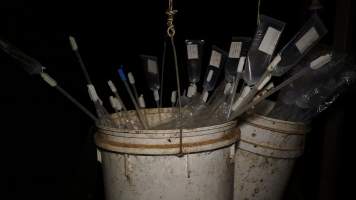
47 143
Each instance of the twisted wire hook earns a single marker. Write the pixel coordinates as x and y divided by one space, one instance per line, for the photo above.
170 25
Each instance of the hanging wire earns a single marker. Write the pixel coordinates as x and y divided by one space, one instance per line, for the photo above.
162 72
258 12
171 32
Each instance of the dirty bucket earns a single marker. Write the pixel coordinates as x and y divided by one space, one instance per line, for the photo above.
265 157
143 164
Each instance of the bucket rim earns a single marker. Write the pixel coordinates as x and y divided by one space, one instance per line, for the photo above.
275 120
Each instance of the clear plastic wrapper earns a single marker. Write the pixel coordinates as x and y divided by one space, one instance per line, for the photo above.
306 38
315 98
291 54
150 65
315 76
262 47
216 63
238 48
29 64
326 91
195 50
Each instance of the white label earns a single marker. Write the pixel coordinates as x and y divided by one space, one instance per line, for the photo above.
269 41
210 75
192 50
152 66
320 61
215 59
308 38
241 65
235 49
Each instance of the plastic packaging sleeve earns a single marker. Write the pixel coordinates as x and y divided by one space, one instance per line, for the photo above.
298 47
195 50
151 71
262 47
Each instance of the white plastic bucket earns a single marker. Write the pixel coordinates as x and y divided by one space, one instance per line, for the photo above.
143 164
265 157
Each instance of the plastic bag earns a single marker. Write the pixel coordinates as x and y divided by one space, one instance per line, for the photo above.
262 48
306 38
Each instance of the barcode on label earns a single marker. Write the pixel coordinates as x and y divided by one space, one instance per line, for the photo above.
235 49
152 66
269 41
215 59
308 38
192 50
